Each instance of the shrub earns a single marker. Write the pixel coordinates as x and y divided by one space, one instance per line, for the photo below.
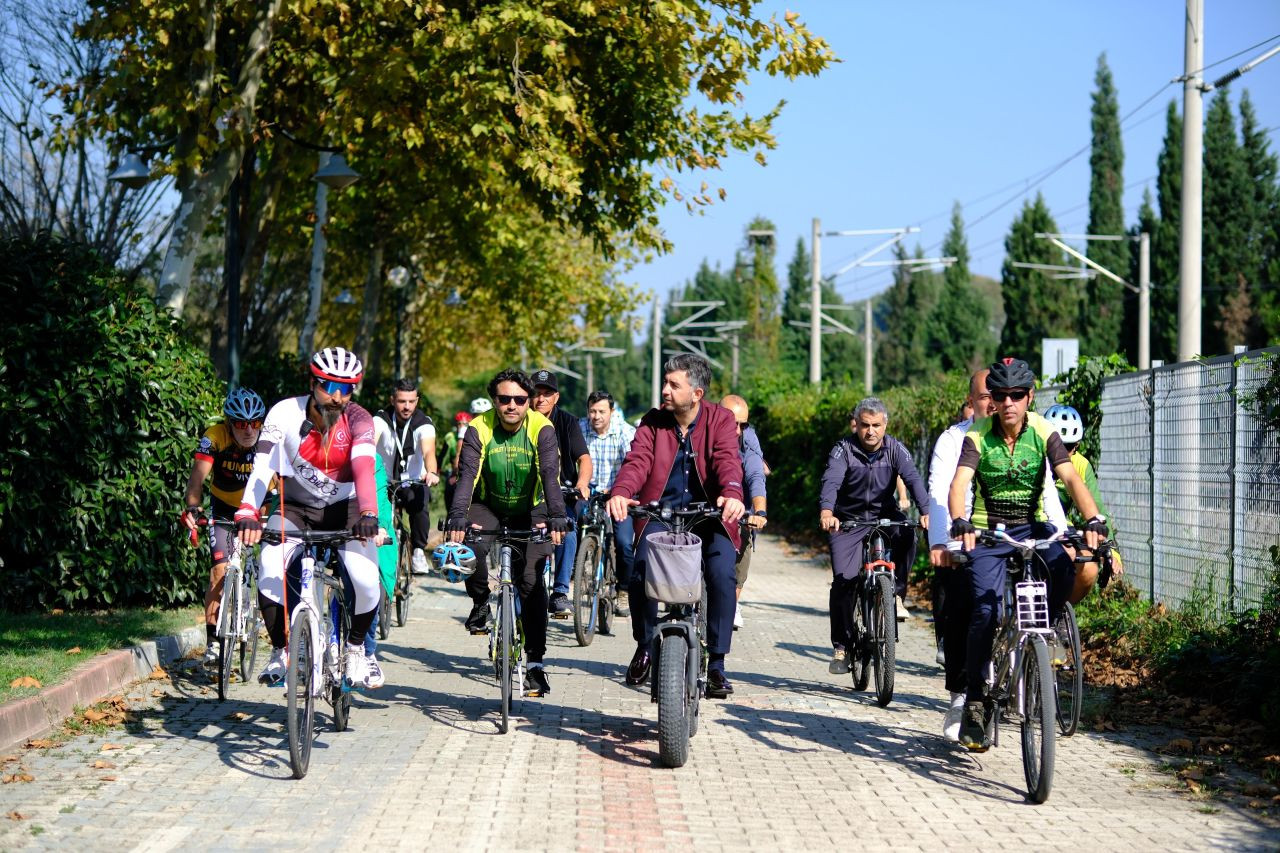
104 398
1082 390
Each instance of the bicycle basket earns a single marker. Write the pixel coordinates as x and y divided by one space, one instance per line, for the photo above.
1032 598
673 574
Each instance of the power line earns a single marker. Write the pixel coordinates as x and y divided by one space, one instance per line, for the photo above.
1227 59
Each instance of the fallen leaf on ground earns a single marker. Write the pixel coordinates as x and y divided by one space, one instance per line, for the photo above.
157 693
1195 787
94 716
103 765
1180 744
17 777
16 816
1256 804
74 650
1260 789
41 743
25 681
158 674
109 746
238 715
5 759
108 778
1192 773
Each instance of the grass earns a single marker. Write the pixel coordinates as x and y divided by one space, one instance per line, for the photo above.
39 644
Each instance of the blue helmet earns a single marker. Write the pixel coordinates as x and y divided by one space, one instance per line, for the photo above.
454 560
244 405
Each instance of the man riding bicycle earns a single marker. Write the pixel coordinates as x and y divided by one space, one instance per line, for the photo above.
508 457
322 447
860 484
408 450
1003 456
684 453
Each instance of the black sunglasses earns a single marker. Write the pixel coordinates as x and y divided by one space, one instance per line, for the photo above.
508 399
1016 396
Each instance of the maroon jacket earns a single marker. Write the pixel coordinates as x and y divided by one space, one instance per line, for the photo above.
644 472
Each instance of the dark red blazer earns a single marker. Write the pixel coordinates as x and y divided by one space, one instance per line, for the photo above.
645 470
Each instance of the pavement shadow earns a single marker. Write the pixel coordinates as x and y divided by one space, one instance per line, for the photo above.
627 740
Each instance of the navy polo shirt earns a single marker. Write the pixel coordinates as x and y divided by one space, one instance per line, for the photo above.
683 485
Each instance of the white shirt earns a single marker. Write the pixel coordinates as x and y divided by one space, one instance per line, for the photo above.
385 440
942 470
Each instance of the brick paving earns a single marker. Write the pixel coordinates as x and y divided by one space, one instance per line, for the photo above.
795 759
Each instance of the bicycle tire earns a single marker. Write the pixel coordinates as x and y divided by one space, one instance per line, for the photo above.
506 630
673 701
884 623
608 594
586 592
1038 728
226 631
384 616
404 579
859 649
339 698
301 701
1068 692
252 636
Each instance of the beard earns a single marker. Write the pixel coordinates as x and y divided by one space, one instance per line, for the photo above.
329 414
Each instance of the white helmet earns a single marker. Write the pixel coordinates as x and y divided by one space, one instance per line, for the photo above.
480 405
337 365
1067 422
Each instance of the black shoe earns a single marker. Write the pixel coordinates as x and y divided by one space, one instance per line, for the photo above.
560 607
973 727
536 683
478 621
638 671
718 685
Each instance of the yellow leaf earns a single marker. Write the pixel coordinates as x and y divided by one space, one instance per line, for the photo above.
106 747
74 650
25 681
103 765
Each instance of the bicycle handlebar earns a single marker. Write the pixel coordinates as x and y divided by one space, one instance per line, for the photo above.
307 537
846 526
537 534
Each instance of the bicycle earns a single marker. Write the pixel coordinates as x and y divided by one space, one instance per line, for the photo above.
319 622
1069 668
679 646
404 568
875 617
238 620
1020 678
506 642
550 567
595 581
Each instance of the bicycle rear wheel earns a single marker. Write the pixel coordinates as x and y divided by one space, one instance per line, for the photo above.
673 701
384 616
301 703
608 596
884 624
404 578
339 698
228 622
1069 677
586 593
859 651
1038 729
506 631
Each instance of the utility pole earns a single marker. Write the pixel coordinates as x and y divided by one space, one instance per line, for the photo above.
1189 255
868 347
815 306
733 342
1144 301
657 350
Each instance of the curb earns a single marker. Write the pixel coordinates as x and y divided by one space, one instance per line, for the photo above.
35 716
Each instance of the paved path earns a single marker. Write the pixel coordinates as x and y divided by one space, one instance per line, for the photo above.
794 760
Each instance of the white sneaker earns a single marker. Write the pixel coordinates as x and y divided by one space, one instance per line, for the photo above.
902 609
951 722
420 566
356 668
376 679
737 616
273 674
212 654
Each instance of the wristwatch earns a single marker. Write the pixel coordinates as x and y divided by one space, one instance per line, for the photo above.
760 513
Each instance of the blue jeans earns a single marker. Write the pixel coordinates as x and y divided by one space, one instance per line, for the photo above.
567 550
371 638
624 550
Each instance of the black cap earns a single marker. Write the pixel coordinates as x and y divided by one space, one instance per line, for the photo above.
545 377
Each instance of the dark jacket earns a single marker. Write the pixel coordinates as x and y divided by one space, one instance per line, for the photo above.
858 488
644 472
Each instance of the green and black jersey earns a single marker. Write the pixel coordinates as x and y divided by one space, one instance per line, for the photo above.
1009 483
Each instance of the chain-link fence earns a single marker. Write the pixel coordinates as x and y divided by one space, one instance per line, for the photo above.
1191 478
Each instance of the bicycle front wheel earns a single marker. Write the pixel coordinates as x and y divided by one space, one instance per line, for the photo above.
339 697
506 633
1038 729
673 701
1069 675
384 616
228 624
884 625
608 597
859 651
586 593
301 701
252 631
404 579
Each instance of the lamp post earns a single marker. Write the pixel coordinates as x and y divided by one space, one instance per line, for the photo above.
398 276
333 172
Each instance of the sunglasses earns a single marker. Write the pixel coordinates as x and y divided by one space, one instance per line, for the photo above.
332 387
255 424
1015 396
743 424
508 399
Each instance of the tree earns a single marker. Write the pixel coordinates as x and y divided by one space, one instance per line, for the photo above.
1264 223
893 351
1166 241
1036 304
1227 205
924 289
957 328
1104 307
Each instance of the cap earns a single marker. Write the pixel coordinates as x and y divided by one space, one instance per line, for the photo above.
545 377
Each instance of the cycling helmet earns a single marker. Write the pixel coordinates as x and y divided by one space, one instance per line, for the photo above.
462 418
480 405
454 560
244 405
337 364
1067 422
1010 373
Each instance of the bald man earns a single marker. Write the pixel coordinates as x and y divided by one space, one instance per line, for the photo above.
753 474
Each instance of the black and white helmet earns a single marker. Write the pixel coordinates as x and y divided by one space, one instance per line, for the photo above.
1067 421
337 365
244 405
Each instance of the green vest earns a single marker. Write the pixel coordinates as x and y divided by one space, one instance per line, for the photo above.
515 456
1009 483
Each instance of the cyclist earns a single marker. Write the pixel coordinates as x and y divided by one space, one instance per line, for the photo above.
408 451
1003 457
753 481
508 457
322 446
860 484
1071 427
686 452
575 468
609 438
225 451
449 454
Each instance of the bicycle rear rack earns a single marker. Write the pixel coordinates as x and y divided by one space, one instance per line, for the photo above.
1032 601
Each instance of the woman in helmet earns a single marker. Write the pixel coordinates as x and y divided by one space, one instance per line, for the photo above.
225 451
1067 421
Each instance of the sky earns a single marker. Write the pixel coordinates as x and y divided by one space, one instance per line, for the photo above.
938 101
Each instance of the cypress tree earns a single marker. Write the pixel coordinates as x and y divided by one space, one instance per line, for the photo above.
957 328
1165 241
1036 305
900 324
1227 196
1103 309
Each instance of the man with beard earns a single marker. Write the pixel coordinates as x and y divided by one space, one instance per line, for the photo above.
408 450
321 446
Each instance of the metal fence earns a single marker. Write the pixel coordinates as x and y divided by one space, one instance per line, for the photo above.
1191 478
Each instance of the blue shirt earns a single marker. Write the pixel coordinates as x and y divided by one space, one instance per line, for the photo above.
752 465
608 450
683 485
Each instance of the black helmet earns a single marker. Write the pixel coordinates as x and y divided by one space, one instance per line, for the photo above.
1010 373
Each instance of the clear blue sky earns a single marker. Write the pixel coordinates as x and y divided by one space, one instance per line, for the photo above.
940 101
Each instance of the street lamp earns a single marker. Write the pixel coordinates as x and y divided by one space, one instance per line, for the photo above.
333 172
131 172
399 277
